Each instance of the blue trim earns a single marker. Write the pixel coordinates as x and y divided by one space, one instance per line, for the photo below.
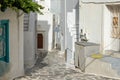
6 23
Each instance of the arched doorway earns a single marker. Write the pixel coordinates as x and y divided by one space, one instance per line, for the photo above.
40 41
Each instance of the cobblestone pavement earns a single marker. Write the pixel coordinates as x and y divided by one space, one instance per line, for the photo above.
51 66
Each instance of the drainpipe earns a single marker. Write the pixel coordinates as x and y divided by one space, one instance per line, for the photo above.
77 21
102 31
53 33
65 25
36 36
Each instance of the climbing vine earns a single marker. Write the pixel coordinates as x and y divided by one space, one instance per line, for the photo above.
25 5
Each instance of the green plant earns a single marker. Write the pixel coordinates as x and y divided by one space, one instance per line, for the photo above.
25 5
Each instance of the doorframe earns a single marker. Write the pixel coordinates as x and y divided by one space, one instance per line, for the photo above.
43 34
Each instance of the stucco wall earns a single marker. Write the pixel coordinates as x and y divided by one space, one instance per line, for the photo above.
91 21
30 42
45 26
69 20
15 43
55 6
62 24
109 42
95 20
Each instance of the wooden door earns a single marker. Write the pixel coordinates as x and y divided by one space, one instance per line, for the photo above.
39 41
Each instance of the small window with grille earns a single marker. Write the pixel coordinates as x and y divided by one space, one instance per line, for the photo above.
115 14
116 22
26 22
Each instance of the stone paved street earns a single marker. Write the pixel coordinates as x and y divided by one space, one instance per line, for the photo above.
51 66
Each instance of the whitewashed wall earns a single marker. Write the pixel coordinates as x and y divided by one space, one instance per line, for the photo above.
30 42
91 21
55 6
44 26
15 44
109 42
69 20
95 20
99 1
62 24
55 10
107 28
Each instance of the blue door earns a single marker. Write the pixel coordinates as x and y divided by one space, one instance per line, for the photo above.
4 40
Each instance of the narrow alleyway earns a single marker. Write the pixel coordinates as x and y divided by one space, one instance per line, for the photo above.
51 66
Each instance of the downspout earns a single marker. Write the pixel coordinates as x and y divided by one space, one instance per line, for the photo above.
35 14
102 31
77 21
65 25
53 33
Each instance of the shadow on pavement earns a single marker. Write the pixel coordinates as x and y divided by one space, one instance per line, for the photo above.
39 63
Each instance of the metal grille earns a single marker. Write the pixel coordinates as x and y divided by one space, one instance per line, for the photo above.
26 22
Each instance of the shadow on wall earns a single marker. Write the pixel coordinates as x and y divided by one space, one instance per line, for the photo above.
4 68
69 45
39 63
77 21
71 4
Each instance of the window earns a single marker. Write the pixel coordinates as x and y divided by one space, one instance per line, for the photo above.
115 10
4 40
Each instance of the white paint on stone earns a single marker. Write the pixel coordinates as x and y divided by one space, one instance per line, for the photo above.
45 25
90 21
100 1
15 44
30 42
96 21
69 20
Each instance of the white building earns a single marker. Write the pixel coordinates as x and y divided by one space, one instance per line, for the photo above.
30 48
99 19
37 33
94 17
55 7
98 23
11 45
45 27
58 27
69 23
66 26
